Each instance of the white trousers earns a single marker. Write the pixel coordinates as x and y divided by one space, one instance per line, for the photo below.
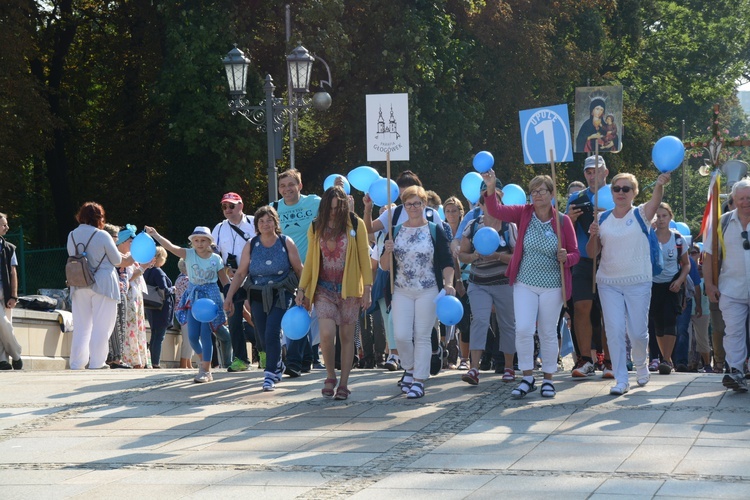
626 305
735 313
9 346
537 310
413 313
94 317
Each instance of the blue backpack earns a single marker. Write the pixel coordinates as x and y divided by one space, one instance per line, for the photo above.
657 260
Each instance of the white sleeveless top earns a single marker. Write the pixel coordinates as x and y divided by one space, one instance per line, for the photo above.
626 258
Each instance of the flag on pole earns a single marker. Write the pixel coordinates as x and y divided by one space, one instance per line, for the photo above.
712 213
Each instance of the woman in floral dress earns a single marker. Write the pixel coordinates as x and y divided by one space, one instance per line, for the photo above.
134 350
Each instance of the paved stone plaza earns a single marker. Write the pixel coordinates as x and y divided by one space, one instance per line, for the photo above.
121 433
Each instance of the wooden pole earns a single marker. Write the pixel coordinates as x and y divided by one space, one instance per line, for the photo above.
715 233
596 208
390 213
556 216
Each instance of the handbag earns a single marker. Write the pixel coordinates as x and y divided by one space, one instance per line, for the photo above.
153 298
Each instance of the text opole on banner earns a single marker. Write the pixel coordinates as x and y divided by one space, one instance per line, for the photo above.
545 129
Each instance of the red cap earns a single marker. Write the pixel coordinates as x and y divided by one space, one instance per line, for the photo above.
231 198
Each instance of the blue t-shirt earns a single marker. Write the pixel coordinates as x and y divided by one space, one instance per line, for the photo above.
581 234
202 271
296 219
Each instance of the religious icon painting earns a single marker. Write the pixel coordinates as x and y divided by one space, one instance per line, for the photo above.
598 120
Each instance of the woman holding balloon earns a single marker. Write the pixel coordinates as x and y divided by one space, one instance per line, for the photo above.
421 262
269 270
134 342
203 268
534 271
337 278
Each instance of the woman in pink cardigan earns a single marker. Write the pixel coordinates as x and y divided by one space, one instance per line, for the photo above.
534 273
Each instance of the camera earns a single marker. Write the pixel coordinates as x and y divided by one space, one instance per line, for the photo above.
586 207
232 261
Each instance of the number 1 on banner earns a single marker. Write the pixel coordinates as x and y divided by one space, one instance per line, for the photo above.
548 134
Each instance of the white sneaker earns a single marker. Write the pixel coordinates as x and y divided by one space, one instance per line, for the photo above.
585 370
393 363
619 389
203 377
643 375
607 371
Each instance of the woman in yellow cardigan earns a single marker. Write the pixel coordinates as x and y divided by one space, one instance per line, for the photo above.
336 278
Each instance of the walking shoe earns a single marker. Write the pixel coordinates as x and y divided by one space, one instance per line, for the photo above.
17 364
203 377
463 365
643 375
292 372
268 383
654 366
619 389
735 381
4 365
237 366
436 361
485 362
665 368
607 371
318 366
706 369
583 369
393 363
261 360
471 377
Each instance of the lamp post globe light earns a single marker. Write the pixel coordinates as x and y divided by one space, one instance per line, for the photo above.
271 113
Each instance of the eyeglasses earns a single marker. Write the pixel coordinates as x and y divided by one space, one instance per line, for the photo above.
416 204
540 192
228 206
746 243
624 189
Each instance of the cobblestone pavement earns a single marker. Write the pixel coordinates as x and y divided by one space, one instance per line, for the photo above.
79 434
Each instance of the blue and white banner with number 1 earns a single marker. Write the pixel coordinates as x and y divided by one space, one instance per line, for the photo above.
545 129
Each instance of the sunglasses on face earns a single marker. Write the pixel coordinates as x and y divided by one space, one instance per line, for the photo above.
624 189
746 243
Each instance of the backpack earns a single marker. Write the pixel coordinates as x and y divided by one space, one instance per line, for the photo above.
657 260
77 269
429 215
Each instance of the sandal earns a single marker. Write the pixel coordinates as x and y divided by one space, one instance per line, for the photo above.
326 390
416 390
523 389
509 375
342 393
548 389
405 381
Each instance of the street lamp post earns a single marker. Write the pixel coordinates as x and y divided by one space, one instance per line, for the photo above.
271 113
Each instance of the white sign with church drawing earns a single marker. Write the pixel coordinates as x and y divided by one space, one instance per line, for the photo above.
387 127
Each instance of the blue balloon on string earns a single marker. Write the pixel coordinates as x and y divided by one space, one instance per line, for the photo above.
331 180
449 310
682 228
604 197
486 241
470 185
441 212
379 191
204 310
483 161
362 177
672 225
513 194
295 323
668 153
143 248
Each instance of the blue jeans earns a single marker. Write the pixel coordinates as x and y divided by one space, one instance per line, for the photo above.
199 335
237 333
157 338
269 325
682 344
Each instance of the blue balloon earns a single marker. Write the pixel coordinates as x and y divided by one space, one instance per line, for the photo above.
379 192
143 248
668 153
682 228
295 323
441 212
513 194
470 185
331 179
483 161
486 241
449 310
605 197
672 225
362 177
204 310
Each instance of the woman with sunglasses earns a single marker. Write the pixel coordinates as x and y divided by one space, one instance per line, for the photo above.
534 273
624 276
666 300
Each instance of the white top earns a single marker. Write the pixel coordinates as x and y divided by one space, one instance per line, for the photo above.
626 257
102 248
230 241
734 277
404 216
671 266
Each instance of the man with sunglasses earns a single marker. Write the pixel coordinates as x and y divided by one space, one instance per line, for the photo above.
231 235
584 307
733 290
